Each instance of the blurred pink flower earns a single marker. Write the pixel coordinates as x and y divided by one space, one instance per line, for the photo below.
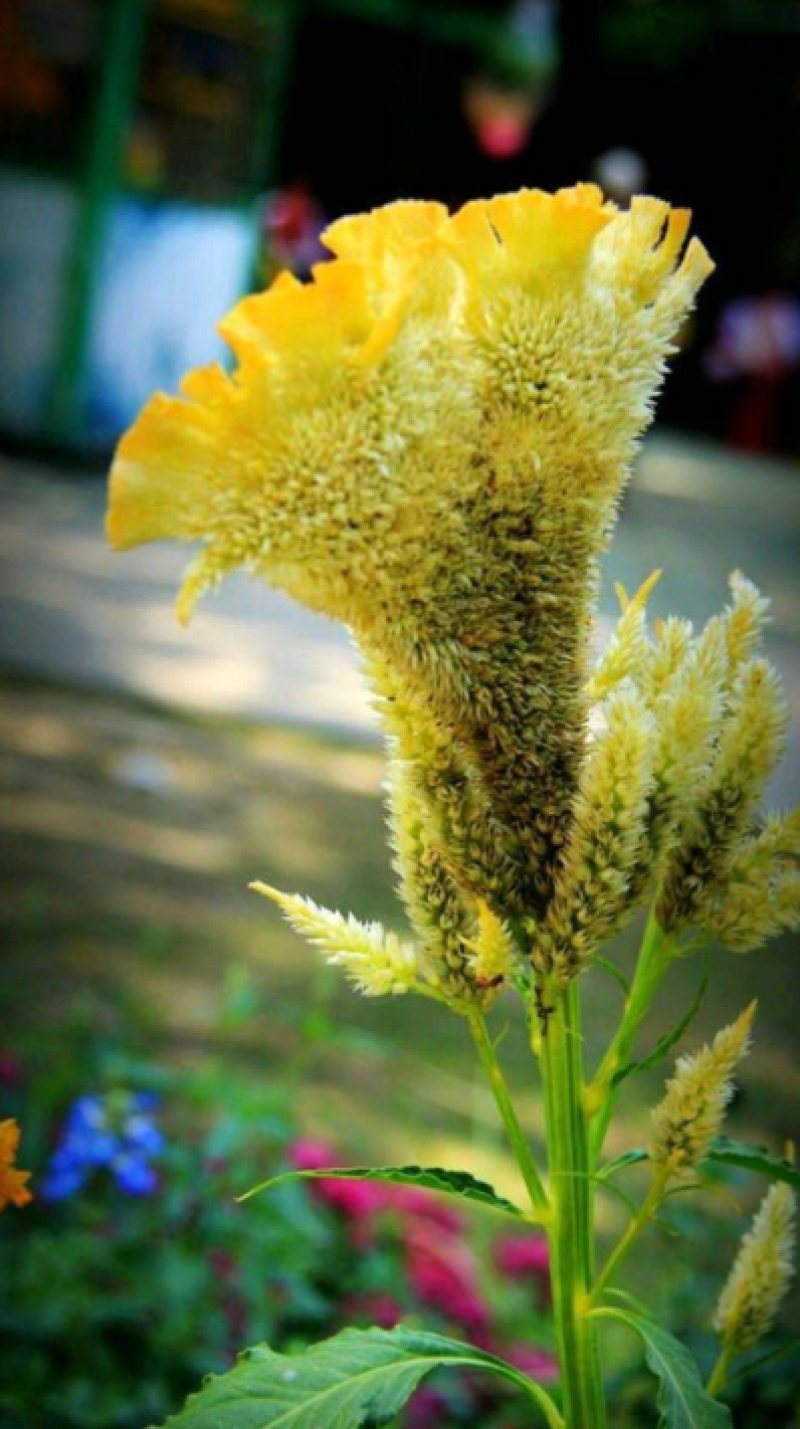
357 1200
416 1201
441 1273
523 1255
538 1364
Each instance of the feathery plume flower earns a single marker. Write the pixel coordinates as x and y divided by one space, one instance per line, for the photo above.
378 962
691 1113
686 708
719 719
609 819
761 1273
761 897
628 650
750 743
428 442
13 1183
673 639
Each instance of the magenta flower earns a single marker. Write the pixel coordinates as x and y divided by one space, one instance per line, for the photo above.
441 1273
415 1201
517 1255
358 1201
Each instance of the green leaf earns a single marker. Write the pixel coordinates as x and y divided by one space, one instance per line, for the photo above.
613 972
358 1377
665 1044
628 1158
432 1178
754 1158
682 1399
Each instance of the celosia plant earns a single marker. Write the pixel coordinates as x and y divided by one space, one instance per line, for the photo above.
428 442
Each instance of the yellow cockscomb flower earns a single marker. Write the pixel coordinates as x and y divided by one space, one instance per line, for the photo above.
428 442
13 1183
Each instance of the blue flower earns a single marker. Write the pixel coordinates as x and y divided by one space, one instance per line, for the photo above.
116 1131
134 1175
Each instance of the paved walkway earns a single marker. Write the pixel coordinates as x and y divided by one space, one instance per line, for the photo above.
72 610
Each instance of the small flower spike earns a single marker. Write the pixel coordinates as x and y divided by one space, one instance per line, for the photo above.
761 1273
377 962
691 1113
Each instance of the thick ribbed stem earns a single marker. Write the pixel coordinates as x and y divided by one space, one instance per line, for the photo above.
571 1226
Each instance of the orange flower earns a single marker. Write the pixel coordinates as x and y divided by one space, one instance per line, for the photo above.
13 1190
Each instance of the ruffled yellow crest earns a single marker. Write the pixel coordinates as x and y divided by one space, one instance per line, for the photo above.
180 464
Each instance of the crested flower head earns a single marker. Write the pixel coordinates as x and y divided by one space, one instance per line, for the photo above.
690 1115
428 441
761 1273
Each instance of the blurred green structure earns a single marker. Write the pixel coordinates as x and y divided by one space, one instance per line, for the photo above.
128 128
143 141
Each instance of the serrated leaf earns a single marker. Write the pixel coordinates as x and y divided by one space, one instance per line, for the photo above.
754 1158
431 1178
682 1398
665 1044
358 1377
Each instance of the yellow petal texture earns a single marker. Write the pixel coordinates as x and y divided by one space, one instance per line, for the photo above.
428 442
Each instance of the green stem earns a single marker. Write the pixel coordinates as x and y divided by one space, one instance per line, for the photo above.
719 1374
655 957
516 1136
642 1219
571 1229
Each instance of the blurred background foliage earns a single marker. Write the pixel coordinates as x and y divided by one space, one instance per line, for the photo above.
158 158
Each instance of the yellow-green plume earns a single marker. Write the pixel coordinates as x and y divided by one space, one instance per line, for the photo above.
691 1113
627 652
601 851
750 742
377 962
761 1273
761 897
